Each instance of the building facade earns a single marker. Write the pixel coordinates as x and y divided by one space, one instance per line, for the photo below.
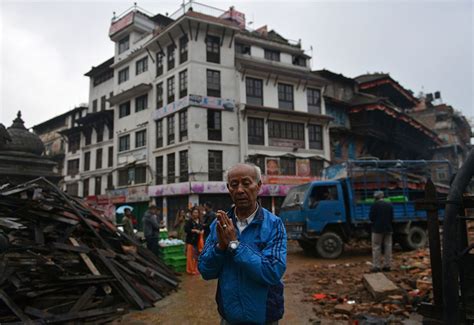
184 99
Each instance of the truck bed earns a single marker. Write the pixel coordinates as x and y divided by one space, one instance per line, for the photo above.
403 211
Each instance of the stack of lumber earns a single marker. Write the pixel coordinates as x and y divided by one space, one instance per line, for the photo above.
61 261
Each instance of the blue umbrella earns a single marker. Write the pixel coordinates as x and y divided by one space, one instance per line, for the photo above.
122 208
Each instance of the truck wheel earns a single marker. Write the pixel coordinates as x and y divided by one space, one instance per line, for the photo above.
308 247
416 238
330 245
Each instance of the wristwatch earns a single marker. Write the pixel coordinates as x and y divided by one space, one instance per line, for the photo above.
233 246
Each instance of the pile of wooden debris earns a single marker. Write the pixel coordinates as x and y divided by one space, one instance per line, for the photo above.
61 261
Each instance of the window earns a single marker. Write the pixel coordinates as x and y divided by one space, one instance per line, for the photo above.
171 49
94 106
170 89
124 44
123 177
73 167
141 65
99 134
110 96
74 143
183 49
183 166
140 174
213 49
102 103
171 168
103 77
285 96
111 131
314 97
140 139
287 166
213 83
170 120
159 170
258 161
254 91
110 181
183 125
159 95
124 109
85 188
123 75
98 185
87 161
215 165
315 136
255 131
141 103
159 133
159 63
136 175
183 83
272 55
124 143
286 134
110 158
242 48
299 60
214 129
98 159
72 189
316 167
87 136
322 193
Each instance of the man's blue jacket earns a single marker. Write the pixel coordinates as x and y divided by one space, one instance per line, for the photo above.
249 289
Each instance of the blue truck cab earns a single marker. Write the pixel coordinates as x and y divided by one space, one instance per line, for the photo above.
323 215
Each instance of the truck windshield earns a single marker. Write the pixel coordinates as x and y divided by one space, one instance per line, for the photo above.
295 196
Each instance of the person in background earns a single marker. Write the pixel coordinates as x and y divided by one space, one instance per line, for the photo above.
179 223
209 217
381 217
193 229
151 228
127 222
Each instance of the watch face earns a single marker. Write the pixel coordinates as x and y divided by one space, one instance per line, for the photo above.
233 245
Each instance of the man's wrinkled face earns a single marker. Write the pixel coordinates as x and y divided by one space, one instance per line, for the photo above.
243 187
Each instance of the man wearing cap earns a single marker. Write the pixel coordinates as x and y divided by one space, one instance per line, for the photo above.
381 217
246 252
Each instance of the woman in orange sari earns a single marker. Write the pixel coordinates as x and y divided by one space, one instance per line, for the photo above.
193 229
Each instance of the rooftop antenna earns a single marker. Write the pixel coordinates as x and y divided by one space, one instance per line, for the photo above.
135 6
114 16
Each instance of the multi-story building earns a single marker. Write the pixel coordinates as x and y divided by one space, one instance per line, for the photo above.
184 99
452 128
54 142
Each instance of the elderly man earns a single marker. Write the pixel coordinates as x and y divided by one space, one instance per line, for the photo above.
381 217
151 228
246 251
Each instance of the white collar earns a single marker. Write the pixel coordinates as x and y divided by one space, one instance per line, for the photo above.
247 220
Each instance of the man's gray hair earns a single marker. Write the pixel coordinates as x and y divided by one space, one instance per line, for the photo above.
378 195
257 169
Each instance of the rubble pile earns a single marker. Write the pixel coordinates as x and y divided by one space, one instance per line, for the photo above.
63 262
347 291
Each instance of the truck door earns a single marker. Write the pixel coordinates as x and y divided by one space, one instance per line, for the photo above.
325 205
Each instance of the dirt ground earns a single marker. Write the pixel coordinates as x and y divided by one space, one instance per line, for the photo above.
339 280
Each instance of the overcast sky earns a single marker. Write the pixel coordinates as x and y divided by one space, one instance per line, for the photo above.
46 47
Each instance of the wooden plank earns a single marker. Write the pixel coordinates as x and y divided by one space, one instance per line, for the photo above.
85 298
13 307
85 258
82 315
132 294
71 248
39 235
37 312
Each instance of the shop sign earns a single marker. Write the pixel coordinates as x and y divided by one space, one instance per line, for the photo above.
303 168
118 196
138 194
288 143
121 23
171 108
208 187
195 100
169 189
274 190
288 180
